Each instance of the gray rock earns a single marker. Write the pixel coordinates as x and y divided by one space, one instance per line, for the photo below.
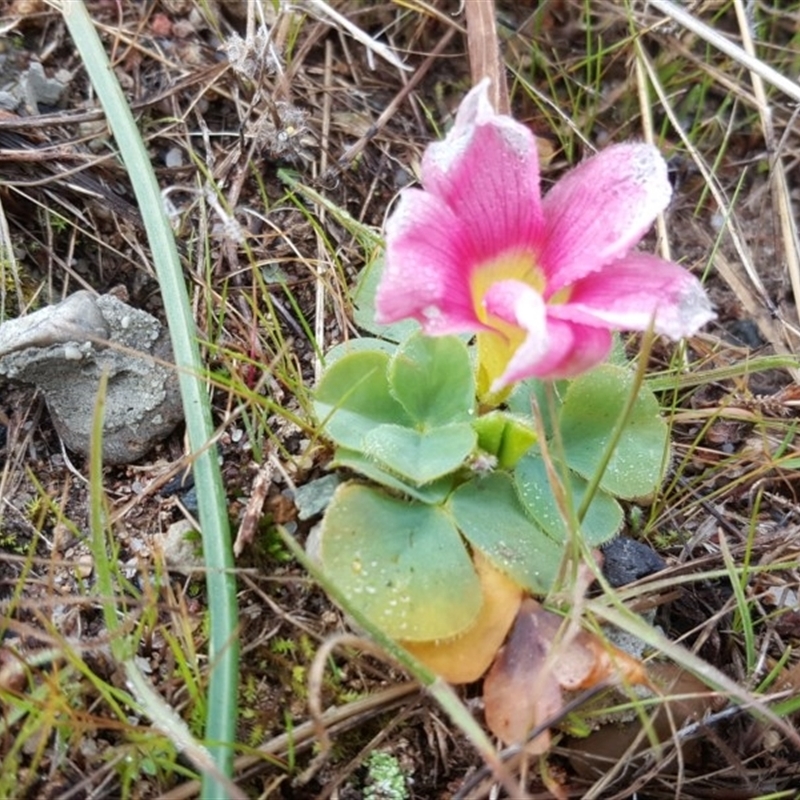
64 349
625 560
78 318
38 88
313 498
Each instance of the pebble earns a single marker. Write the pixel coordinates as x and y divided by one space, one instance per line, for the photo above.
626 560
84 566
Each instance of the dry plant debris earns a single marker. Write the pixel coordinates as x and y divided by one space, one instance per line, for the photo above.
280 139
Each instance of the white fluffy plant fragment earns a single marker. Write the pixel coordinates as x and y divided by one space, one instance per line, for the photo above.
254 55
277 125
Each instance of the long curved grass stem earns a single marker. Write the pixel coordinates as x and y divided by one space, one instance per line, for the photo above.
221 714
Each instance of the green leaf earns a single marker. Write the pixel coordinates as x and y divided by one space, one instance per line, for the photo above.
432 493
507 436
532 393
489 514
356 345
421 456
588 416
602 522
432 377
403 564
353 397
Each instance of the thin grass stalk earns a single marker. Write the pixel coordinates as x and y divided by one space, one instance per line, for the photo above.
163 716
619 428
781 194
610 608
690 21
221 718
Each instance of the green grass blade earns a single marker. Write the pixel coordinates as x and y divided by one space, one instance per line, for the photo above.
221 585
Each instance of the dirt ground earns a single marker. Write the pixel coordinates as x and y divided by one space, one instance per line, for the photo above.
282 138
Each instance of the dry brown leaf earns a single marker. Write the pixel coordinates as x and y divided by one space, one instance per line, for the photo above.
593 755
590 660
519 692
523 687
789 680
465 658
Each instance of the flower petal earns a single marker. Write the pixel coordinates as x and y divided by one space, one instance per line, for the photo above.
487 171
627 294
574 348
518 304
518 317
425 273
600 209
552 348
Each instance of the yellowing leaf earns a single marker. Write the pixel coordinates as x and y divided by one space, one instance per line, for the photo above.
465 658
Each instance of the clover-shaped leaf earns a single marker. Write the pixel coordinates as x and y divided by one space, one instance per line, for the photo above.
587 420
533 395
434 492
489 514
364 306
401 562
353 397
466 657
357 345
603 519
432 377
420 456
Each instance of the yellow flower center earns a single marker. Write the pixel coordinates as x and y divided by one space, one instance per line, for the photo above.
510 267
496 346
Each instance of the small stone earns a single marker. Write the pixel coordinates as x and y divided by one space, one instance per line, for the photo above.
180 547
625 560
8 101
84 566
174 158
312 498
38 88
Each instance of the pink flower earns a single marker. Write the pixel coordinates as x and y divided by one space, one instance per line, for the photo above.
542 281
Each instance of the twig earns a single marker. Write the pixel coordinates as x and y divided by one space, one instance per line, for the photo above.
708 34
350 154
322 10
485 60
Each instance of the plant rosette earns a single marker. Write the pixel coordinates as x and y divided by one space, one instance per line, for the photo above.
453 518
